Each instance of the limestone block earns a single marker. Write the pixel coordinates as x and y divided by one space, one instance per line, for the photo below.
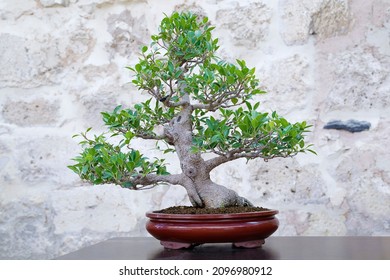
5 129
101 209
172 196
275 182
15 8
103 3
333 18
325 222
324 18
26 64
14 57
359 80
36 112
332 145
380 13
79 46
359 224
27 230
4 156
44 159
297 20
101 75
363 172
246 25
72 241
128 33
54 3
292 222
285 79
311 220
282 181
193 8
94 104
370 195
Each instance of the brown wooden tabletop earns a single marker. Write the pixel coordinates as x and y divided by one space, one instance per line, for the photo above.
275 248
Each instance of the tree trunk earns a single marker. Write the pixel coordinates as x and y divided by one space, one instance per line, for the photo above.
201 190
215 196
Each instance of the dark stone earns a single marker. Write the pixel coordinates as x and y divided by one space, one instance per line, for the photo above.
350 125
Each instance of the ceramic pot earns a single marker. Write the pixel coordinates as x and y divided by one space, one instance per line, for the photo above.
178 231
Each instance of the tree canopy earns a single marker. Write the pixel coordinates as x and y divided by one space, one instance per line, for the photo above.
182 73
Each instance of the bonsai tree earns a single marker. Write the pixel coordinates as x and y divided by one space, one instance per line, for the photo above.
199 105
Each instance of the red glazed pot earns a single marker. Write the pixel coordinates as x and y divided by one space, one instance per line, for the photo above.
177 231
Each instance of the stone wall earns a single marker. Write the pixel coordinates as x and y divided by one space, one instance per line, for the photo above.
63 62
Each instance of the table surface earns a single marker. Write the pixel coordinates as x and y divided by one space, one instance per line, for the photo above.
275 248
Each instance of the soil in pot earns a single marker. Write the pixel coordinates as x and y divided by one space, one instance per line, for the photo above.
222 210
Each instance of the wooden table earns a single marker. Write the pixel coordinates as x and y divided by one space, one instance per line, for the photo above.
275 248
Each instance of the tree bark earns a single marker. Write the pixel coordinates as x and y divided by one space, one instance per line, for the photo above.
201 190
215 196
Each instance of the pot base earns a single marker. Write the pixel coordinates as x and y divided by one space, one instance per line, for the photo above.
181 245
178 245
249 244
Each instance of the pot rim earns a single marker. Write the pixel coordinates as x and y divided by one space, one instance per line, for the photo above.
263 214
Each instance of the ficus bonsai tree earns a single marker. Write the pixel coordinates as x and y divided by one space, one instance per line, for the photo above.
200 104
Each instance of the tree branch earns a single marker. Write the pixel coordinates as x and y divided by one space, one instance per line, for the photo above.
246 152
143 135
219 101
219 160
150 180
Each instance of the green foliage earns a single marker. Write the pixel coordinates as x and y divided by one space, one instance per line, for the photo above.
181 59
180 69
249 133
140 121
223 84
102 162
181 44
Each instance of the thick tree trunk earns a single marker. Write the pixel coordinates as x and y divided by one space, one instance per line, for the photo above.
215 196
201 190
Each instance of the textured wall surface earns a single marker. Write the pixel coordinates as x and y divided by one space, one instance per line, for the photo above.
63 62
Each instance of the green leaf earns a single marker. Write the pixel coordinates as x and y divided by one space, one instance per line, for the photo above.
230 80
241 63
98 146
74 168
127 185
171 68
166 151
215 138
138 67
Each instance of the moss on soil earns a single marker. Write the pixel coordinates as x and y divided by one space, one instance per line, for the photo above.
222 210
